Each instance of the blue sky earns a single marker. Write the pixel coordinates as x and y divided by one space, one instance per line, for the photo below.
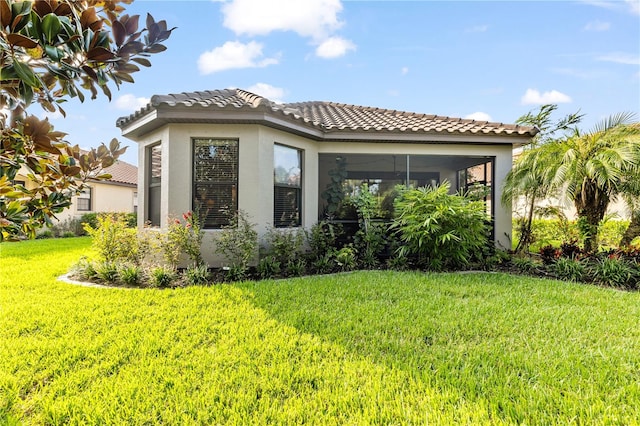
475 59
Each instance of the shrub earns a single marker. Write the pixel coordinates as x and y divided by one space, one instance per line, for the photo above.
113 240
182 237
130 275
296 267
83 270
549 254
345 258
570 250
439 228
569 269
322 239
107 271
197 275
238 243
268 267
285 247
47 233
324 264
369 241
614 272
524 264
162 276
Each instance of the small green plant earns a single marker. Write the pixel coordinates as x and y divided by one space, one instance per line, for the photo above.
162 276
83 270
346 259
324 264
296 267
285 246
569 269
182 237
107 271
322 239
130 275
238 244
47 233
615 272
197 275
113 239
524 264
268 267
369 240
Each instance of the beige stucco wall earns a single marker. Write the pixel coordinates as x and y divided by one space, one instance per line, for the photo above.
255 185
105 197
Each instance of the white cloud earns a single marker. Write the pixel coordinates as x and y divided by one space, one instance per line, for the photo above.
477 29
404 70
234 54
621 58
130 102
268 91
479 116
631 6
534 97
597 26
334 47
310 18
634 6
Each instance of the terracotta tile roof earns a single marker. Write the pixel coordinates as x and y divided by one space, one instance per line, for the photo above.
331 117
122 172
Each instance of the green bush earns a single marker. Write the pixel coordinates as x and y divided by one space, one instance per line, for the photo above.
440 229
322 239
83 270
197 275
162 276
285 246
130 275
524 264
107 271
268 267
614 272
569 269
346 259
238 244
555 231
113 240
182 237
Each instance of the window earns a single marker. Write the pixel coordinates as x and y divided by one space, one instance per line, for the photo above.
215 180
154 180
287 190
83 202
135 202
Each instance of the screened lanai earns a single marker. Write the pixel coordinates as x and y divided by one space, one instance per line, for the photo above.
382 172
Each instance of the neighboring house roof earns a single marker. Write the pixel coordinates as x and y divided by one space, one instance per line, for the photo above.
122 173
321 120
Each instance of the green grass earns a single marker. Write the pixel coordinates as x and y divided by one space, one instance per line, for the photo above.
358 348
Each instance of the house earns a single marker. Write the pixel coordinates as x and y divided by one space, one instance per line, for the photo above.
223 150
117 194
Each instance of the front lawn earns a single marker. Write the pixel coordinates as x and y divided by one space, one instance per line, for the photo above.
357 348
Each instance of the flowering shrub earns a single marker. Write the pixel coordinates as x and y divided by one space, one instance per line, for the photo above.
183 236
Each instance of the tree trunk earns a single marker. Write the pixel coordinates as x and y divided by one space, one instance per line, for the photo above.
525 233
632 231
591 205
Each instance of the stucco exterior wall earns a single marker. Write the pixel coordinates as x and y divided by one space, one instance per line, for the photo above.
105 197
255 182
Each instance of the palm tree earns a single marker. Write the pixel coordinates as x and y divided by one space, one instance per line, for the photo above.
592 168
528 178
